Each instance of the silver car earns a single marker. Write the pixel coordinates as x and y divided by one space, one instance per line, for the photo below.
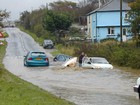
48 44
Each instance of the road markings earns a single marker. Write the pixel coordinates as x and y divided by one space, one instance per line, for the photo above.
22 43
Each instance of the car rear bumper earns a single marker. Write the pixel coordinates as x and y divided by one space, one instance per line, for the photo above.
136 88
37 63
48 46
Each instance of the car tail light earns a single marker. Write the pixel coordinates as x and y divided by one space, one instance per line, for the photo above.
29 58
47 59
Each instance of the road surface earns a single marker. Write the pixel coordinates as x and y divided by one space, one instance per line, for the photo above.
81 86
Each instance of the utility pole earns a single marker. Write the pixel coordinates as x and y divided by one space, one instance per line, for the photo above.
121 21
46 5
99 3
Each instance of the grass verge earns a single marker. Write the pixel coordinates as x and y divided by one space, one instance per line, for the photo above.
15 91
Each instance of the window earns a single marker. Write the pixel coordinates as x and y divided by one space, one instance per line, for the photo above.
89 31
111 31
89 18
61 58
126 16
124 31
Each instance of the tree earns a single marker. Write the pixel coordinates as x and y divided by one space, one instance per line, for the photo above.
134 14
25 19
63 6
67 7
55 21
4 14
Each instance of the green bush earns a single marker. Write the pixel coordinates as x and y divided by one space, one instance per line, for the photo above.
120 57
5 34
108 39
134 59
125 54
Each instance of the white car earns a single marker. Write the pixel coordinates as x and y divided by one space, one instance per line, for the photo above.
96 62
137 85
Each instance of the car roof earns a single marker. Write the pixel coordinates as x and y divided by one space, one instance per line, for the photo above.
47 40
97 57
63 54
36 51
100 58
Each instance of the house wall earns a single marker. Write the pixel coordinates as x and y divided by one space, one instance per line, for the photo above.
94 24
102 20
102 33
110 19
89 25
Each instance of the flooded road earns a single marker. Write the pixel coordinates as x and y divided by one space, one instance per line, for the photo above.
81 86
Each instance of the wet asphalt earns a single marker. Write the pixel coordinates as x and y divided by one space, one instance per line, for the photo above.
78 85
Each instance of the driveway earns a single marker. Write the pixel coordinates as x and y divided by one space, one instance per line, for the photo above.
81 86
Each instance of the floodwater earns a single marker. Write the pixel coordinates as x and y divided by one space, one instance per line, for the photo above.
78 85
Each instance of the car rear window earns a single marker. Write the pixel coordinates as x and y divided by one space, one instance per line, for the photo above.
48 41
38 54
96 60
68 57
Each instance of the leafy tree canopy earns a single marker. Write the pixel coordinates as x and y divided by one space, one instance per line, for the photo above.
55 21
135 16
63 6
25 19
4 14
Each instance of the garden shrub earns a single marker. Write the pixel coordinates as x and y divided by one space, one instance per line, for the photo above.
108 40
119 54
120 57
134 60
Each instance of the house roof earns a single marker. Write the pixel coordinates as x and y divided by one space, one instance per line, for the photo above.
112 5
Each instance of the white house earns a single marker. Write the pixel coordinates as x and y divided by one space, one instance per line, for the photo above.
104 22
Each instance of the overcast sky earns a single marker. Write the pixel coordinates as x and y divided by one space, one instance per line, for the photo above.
18 6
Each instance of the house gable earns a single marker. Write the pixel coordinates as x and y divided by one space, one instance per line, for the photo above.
113 5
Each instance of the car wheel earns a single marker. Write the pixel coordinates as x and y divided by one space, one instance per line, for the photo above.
25 64
55 59
44 47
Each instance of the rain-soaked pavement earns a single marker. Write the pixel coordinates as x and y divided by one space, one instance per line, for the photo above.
81 86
